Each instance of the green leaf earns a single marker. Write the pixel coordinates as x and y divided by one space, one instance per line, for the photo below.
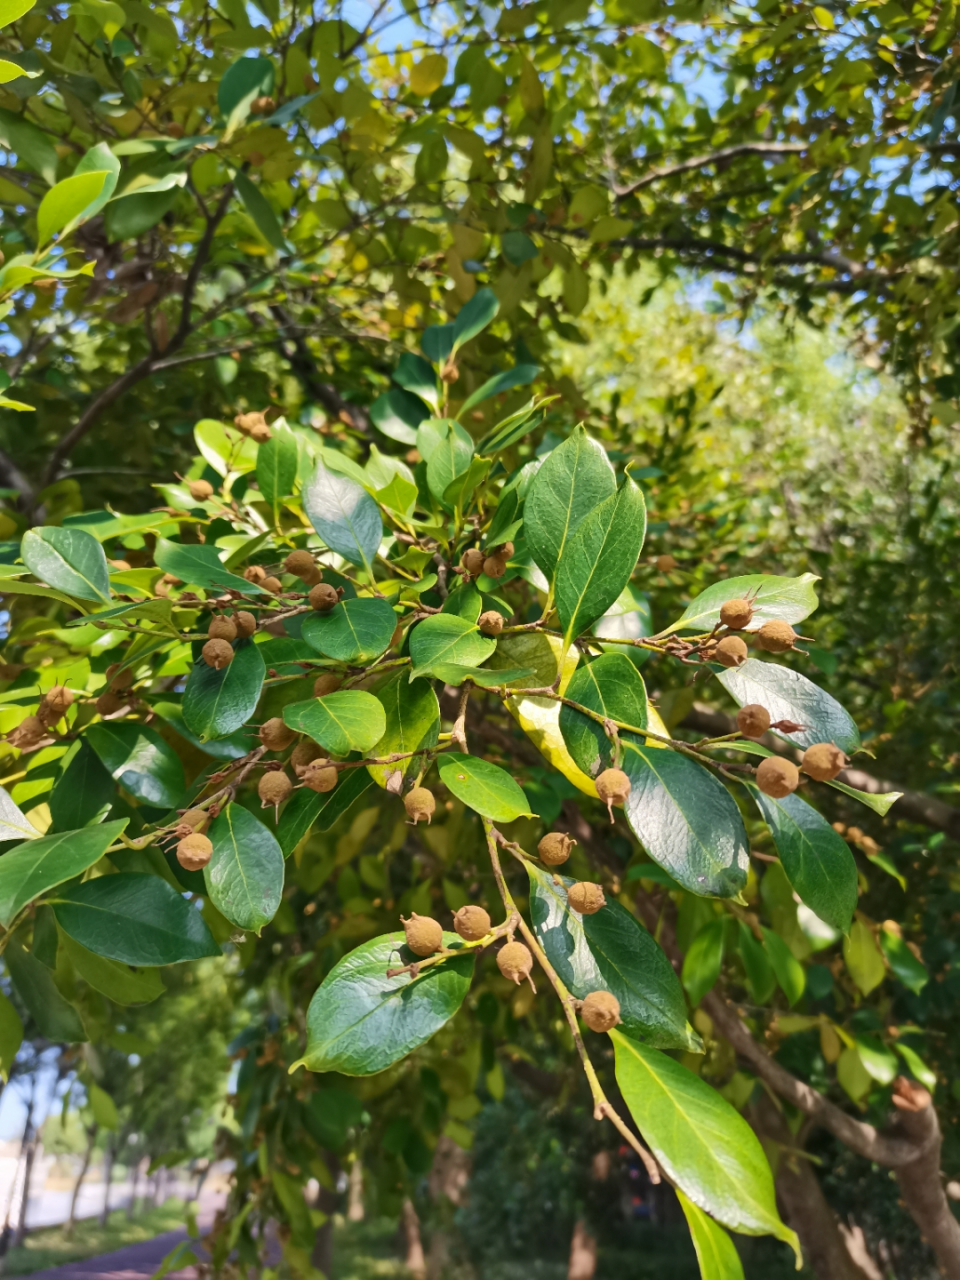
716 1253
397 414
473 317
574 479
701 964
707 1149
917 1065
761 978
788 599
611 951
14 824
277 467
413 724
33 146
11 1036
231 748
330 1114
448 455
299 1221
135 918
462 489
611 686
139 759
84 791
360 1021
686 820
103 1107
880 1062
415 375
55 1018
788 695
911 971
118 982
69 560
128 217
307 808
486 677
261 212
790 973
344 515
32 869
200 566
599 558
65 202
225 448
483 786
863 958
880 802
11 10
344 721
244 877
244 80
520 376
816 860
97 159
355 630
216 703
446 637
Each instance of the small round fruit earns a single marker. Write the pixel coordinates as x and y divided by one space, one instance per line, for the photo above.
300 563
472 923
196 819
776 636
217 654
600 1011
304 753
666 564
119 679
222 629
246 421
273 788
777 777
554 848
323 597
515 961
506 549
326 683
200 490
109 703
823 761
255 573
613 787
736 614
495 566
472 561
753 721
424 934
194 852
491 622
586 898
59 699
260 433
275 735
320 775
730 652
245 623
419 804
30 729
273 585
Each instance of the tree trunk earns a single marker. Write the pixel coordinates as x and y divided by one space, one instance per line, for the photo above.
27 1151
919 1180
134 1180
109 1156
355 1192
72 1216
416 1263
583 1254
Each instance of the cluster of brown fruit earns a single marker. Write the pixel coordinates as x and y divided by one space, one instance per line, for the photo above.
307 760
777 777
194 849
583 896
492 562
224 628
32 729
254 425
115 698
424 935
775 636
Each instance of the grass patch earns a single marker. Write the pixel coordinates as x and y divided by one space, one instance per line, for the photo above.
48 1247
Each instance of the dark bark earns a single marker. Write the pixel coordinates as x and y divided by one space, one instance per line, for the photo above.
919 1179
72 1216
134 1180
29 1149
109 1156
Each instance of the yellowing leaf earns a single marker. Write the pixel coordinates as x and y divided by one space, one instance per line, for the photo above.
862 957
610 228
531 90
427 76
11 10
853 1075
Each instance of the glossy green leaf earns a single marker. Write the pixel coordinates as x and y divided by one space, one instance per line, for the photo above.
574 479
344 515
716 1253
611 686
788 599
244 877
520 376
701 964
34 868
486 677
84 791
473 317
816 860
911 971
200 565
265 220
686 820
57 1020
230 748
345 721
599 558
413 724
880 1062
134 918
97 159
790 973
66 201
139 759
880 802
462 489
416 375
70 560
277 467
103 1107
35 148
447 638
244 80
11 1036
14 824
308 809
330 1114
611 951
360 1021
131 216
483 787
707 1149
118 982
788 695
224 448
217 703
397 414
352 631
11 10
917 1065
449 457
761 979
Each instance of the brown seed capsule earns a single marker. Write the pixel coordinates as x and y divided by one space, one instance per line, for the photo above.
326 683
424 934
491 622
586 898
506 549
255 573
300 563
730 652
109 703
495 566
823 761
275 735
245 623
263 105
273 788
472 923
320 775
613 787
753 721
554 848
736 614
30 730
323 597
472 561
119 679
260 433
273 585
56 702
600 1011
195 819
217 654
777 777
515 961
194 852
776 636
222 628
666 564
246 421
304 753
420 805
200 490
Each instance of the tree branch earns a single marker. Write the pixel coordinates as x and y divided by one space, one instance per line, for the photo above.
715 157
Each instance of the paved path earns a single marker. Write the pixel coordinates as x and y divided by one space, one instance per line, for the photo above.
133 1262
